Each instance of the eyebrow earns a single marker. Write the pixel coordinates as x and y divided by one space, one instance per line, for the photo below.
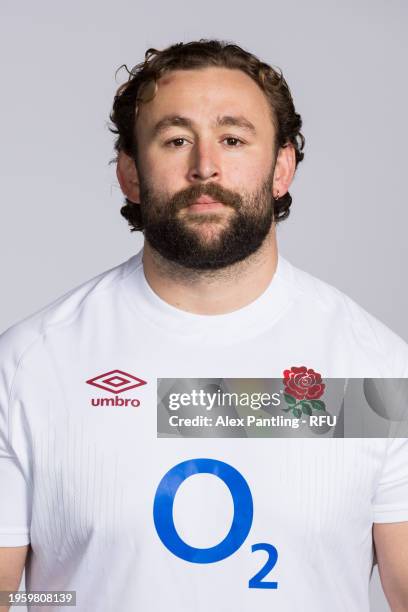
179 121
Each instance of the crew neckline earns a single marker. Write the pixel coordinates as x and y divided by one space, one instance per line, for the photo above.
250 320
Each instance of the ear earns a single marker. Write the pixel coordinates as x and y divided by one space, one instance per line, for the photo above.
128 177
284 170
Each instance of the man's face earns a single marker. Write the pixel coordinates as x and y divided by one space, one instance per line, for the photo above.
207 135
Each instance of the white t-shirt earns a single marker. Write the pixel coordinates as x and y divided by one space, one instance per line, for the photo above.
79 479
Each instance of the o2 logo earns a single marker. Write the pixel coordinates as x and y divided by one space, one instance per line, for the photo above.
241 523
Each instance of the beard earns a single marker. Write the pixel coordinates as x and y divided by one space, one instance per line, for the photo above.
206 240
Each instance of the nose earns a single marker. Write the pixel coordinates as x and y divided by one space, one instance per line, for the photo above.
204 164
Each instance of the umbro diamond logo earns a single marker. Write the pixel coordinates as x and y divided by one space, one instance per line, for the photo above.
116 381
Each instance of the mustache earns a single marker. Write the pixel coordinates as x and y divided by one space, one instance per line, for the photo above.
188 196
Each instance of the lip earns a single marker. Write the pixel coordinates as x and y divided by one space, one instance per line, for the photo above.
205 207
204 199
205 203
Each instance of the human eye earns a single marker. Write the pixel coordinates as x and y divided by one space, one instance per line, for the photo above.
233 139
172 143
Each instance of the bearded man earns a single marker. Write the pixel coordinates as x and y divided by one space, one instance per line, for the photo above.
131 516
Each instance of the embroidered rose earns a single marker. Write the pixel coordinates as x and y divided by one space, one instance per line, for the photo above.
303 388
303 383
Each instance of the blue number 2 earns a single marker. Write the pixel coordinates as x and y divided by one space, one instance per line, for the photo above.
164 501
256 581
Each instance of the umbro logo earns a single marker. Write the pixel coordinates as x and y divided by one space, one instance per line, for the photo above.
116 381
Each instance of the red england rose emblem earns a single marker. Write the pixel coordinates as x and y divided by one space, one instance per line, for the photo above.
303 383
303 388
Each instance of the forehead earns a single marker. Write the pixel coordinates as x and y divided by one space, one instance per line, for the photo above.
206 92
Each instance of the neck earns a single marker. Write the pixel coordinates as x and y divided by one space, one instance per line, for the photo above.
216 291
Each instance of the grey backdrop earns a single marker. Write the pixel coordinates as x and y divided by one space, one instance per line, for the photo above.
345 62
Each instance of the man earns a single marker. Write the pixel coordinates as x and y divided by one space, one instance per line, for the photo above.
208 143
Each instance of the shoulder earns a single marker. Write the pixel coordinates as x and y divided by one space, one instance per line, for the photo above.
345 319
20 337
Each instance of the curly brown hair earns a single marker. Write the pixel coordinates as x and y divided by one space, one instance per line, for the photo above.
141 86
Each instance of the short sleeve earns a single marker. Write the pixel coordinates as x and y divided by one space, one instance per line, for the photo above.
14 504
14 489
390 503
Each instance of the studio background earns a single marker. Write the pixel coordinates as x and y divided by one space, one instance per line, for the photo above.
345 63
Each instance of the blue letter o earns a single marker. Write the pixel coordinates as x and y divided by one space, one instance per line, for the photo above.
163 510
